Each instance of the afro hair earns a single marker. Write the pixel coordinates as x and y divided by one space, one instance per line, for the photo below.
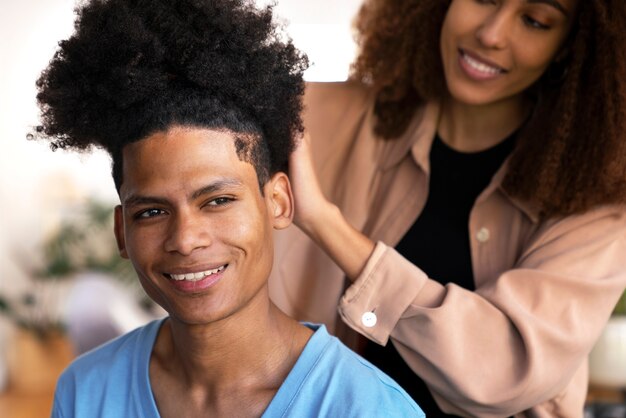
135 67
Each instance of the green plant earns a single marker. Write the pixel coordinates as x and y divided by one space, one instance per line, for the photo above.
84 242
28 313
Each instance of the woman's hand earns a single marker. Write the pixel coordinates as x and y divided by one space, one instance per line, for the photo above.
310 202
320 219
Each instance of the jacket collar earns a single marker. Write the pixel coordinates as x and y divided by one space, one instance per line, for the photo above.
418 139
496 184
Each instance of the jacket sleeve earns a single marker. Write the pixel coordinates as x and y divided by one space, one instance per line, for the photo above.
518 339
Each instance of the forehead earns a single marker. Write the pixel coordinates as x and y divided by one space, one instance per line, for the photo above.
182 158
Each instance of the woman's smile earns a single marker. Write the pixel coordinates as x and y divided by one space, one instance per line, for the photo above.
478 68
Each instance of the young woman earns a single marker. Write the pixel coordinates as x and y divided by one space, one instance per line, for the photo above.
462 200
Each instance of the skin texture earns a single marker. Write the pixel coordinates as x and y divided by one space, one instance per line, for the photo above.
189 204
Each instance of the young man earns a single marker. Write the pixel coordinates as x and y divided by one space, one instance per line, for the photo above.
198 103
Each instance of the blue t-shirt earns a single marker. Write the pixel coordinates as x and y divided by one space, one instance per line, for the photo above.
328 380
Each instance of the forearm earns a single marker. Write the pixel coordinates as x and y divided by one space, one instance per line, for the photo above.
348 247
523 344
322 220
493 355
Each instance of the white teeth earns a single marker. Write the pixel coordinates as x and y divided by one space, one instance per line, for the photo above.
479 66
196 276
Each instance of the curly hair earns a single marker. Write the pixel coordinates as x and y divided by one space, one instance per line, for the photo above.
135 67
571 154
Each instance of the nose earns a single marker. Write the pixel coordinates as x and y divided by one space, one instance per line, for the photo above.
495 30
186 233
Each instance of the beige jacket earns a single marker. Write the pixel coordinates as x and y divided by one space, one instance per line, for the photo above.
544 290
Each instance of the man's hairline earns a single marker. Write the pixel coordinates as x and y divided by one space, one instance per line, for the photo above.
236 136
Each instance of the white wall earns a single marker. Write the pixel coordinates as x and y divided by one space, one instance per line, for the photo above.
38 188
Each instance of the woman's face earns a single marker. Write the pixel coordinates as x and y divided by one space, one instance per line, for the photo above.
493 50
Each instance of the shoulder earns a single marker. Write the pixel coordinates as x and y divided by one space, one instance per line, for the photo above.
353 383
109 364
365 382
116 351
605 224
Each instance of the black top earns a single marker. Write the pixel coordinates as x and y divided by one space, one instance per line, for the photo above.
439 242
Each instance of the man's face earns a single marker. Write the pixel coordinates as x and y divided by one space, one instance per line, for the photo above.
195 225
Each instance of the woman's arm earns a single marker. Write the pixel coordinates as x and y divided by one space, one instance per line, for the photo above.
515 342
321 220
520 339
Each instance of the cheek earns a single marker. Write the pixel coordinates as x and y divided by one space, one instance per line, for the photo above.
254 239
447 49
447 34
141 246
534 59
460 20
534 63
251 237
458 28
536 51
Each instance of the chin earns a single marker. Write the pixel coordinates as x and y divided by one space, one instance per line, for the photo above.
472 97
199 312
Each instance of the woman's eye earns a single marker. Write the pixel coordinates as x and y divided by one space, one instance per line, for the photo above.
149 213
529 21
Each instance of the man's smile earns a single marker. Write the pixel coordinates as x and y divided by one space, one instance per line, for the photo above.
197 275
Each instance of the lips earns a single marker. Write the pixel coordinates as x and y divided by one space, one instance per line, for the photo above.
195 280
477 67
195 276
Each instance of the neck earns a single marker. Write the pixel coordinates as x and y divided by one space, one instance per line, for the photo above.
253 348
473 128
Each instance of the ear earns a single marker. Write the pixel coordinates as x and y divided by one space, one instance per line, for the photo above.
118 229
279 199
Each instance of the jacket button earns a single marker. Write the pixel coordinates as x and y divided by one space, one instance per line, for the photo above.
369 319
482 235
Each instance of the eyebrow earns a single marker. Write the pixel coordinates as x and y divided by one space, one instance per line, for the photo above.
216 186
553 3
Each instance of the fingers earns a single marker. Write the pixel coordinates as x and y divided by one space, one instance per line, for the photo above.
300 161
302 140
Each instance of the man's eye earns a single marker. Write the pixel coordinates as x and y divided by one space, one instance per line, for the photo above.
149 213
220 201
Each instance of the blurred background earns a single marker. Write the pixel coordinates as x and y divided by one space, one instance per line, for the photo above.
63 289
